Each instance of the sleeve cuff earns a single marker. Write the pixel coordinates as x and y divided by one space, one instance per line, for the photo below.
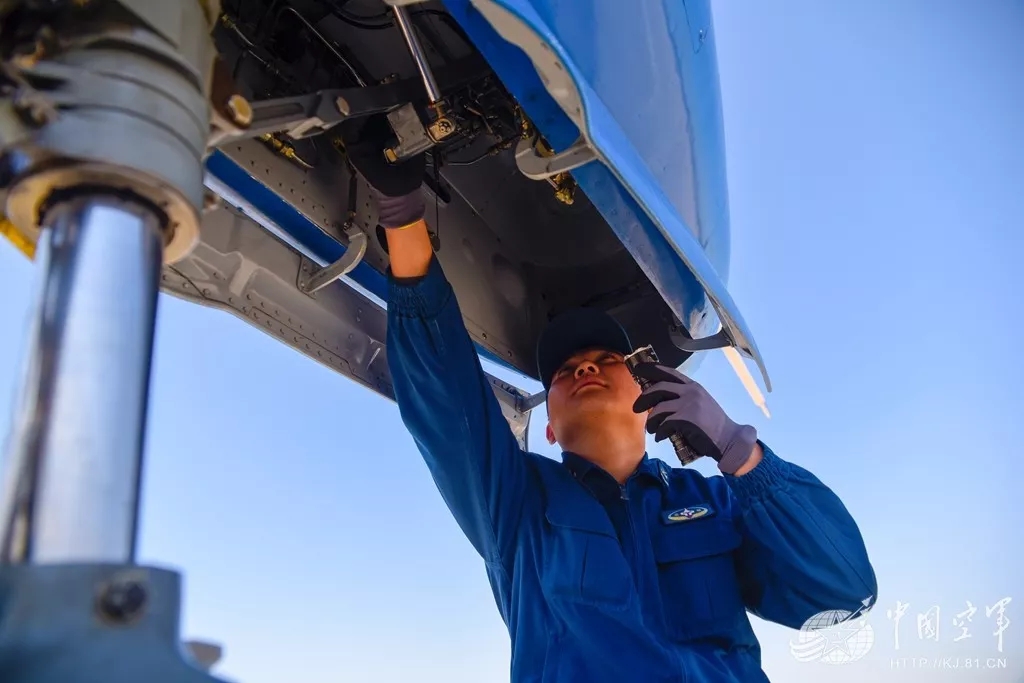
422 296
768 475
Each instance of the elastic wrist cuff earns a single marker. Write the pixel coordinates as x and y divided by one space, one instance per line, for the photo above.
766 476
422 296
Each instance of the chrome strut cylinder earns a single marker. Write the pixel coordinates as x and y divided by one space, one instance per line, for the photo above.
105 120
72 482
105 129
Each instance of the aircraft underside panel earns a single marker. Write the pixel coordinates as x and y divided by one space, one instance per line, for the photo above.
245 269
637 84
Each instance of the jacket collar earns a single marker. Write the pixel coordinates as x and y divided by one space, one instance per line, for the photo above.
587 473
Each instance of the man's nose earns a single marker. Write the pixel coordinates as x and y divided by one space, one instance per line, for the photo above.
586 368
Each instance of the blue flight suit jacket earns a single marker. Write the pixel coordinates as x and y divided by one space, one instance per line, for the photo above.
651 581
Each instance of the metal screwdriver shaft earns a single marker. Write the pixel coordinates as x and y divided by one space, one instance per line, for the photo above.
416 50
441 126
71 484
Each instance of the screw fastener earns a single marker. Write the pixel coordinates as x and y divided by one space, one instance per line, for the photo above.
122 600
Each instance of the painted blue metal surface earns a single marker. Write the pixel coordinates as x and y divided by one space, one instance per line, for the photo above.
291 221
646 72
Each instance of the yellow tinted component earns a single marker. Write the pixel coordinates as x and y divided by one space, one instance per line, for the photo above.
17 238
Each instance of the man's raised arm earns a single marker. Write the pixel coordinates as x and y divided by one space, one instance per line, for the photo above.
443 395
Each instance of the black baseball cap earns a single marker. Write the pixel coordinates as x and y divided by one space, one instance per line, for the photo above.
576 330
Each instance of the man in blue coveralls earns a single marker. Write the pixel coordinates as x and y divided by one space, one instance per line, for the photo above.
609 566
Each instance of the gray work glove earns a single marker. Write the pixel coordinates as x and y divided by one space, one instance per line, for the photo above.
684 407
396 187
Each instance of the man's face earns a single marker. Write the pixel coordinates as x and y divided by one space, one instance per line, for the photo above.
592 387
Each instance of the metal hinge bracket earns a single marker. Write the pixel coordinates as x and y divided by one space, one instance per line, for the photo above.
534 165
312 278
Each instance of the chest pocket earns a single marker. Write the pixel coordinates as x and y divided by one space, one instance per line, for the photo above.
699 587
583 563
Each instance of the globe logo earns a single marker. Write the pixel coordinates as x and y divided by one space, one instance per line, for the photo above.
833 637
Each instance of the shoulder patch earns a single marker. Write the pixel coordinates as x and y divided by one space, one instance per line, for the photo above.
687 514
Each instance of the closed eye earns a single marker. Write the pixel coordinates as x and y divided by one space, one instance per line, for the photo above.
604 358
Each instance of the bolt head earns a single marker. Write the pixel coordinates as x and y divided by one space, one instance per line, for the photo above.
123 600
210 201
240 110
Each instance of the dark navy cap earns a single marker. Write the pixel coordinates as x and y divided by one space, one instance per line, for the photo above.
577 330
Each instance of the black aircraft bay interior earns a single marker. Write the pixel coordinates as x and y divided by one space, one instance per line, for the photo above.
518 251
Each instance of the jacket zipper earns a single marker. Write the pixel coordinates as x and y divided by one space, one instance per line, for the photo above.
624 494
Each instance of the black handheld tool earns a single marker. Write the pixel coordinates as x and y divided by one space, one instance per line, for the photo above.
646 354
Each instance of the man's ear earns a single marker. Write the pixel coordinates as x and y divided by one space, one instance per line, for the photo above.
550 433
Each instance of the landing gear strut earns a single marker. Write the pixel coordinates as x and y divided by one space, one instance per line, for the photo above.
108 109
105 114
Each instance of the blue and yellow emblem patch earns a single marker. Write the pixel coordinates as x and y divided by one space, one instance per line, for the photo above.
688 514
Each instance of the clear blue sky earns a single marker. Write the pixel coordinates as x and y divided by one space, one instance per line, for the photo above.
876 174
